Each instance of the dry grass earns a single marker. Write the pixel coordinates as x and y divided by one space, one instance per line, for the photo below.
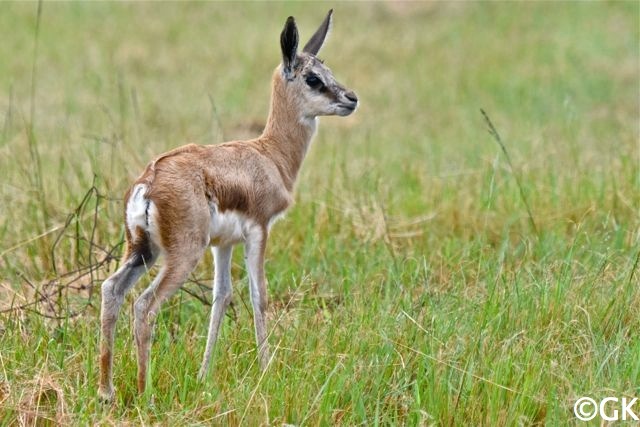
407 286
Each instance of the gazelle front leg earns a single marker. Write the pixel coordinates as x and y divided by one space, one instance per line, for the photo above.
221 298
255 246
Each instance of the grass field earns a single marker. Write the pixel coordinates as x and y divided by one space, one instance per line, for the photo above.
409 285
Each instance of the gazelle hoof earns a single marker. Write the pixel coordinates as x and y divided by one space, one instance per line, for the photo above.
105 396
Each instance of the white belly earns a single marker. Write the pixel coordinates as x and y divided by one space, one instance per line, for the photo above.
228 228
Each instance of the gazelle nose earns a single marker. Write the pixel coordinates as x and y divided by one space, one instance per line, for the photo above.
351 96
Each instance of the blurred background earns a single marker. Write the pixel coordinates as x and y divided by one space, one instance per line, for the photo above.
115 84
408 200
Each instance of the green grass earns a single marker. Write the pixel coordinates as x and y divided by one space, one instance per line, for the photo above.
406 285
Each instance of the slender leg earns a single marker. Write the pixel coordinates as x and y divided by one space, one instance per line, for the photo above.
254 257
221 299
113 291
147 306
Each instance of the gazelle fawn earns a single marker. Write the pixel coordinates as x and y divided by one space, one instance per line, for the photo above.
196 196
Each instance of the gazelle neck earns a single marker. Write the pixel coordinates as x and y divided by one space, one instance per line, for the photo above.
287 134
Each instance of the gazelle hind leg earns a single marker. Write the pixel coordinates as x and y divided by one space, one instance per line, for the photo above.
221 298
114 290
147 306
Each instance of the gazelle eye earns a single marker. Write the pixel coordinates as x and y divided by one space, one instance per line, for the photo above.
314 82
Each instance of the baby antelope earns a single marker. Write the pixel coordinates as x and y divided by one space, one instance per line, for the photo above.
197 196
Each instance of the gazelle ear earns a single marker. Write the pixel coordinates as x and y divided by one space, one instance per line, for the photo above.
289 45
316 41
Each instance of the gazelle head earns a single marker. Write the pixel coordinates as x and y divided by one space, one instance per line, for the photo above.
316 90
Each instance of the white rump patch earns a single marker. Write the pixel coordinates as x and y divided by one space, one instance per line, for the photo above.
137 209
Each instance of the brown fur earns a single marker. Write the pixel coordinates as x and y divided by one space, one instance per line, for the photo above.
189 186
254 177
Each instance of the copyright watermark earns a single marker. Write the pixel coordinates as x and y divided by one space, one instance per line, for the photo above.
609 409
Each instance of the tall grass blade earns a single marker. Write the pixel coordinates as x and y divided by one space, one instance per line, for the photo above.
494 133
33 142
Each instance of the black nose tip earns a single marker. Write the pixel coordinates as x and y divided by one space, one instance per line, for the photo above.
351 96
